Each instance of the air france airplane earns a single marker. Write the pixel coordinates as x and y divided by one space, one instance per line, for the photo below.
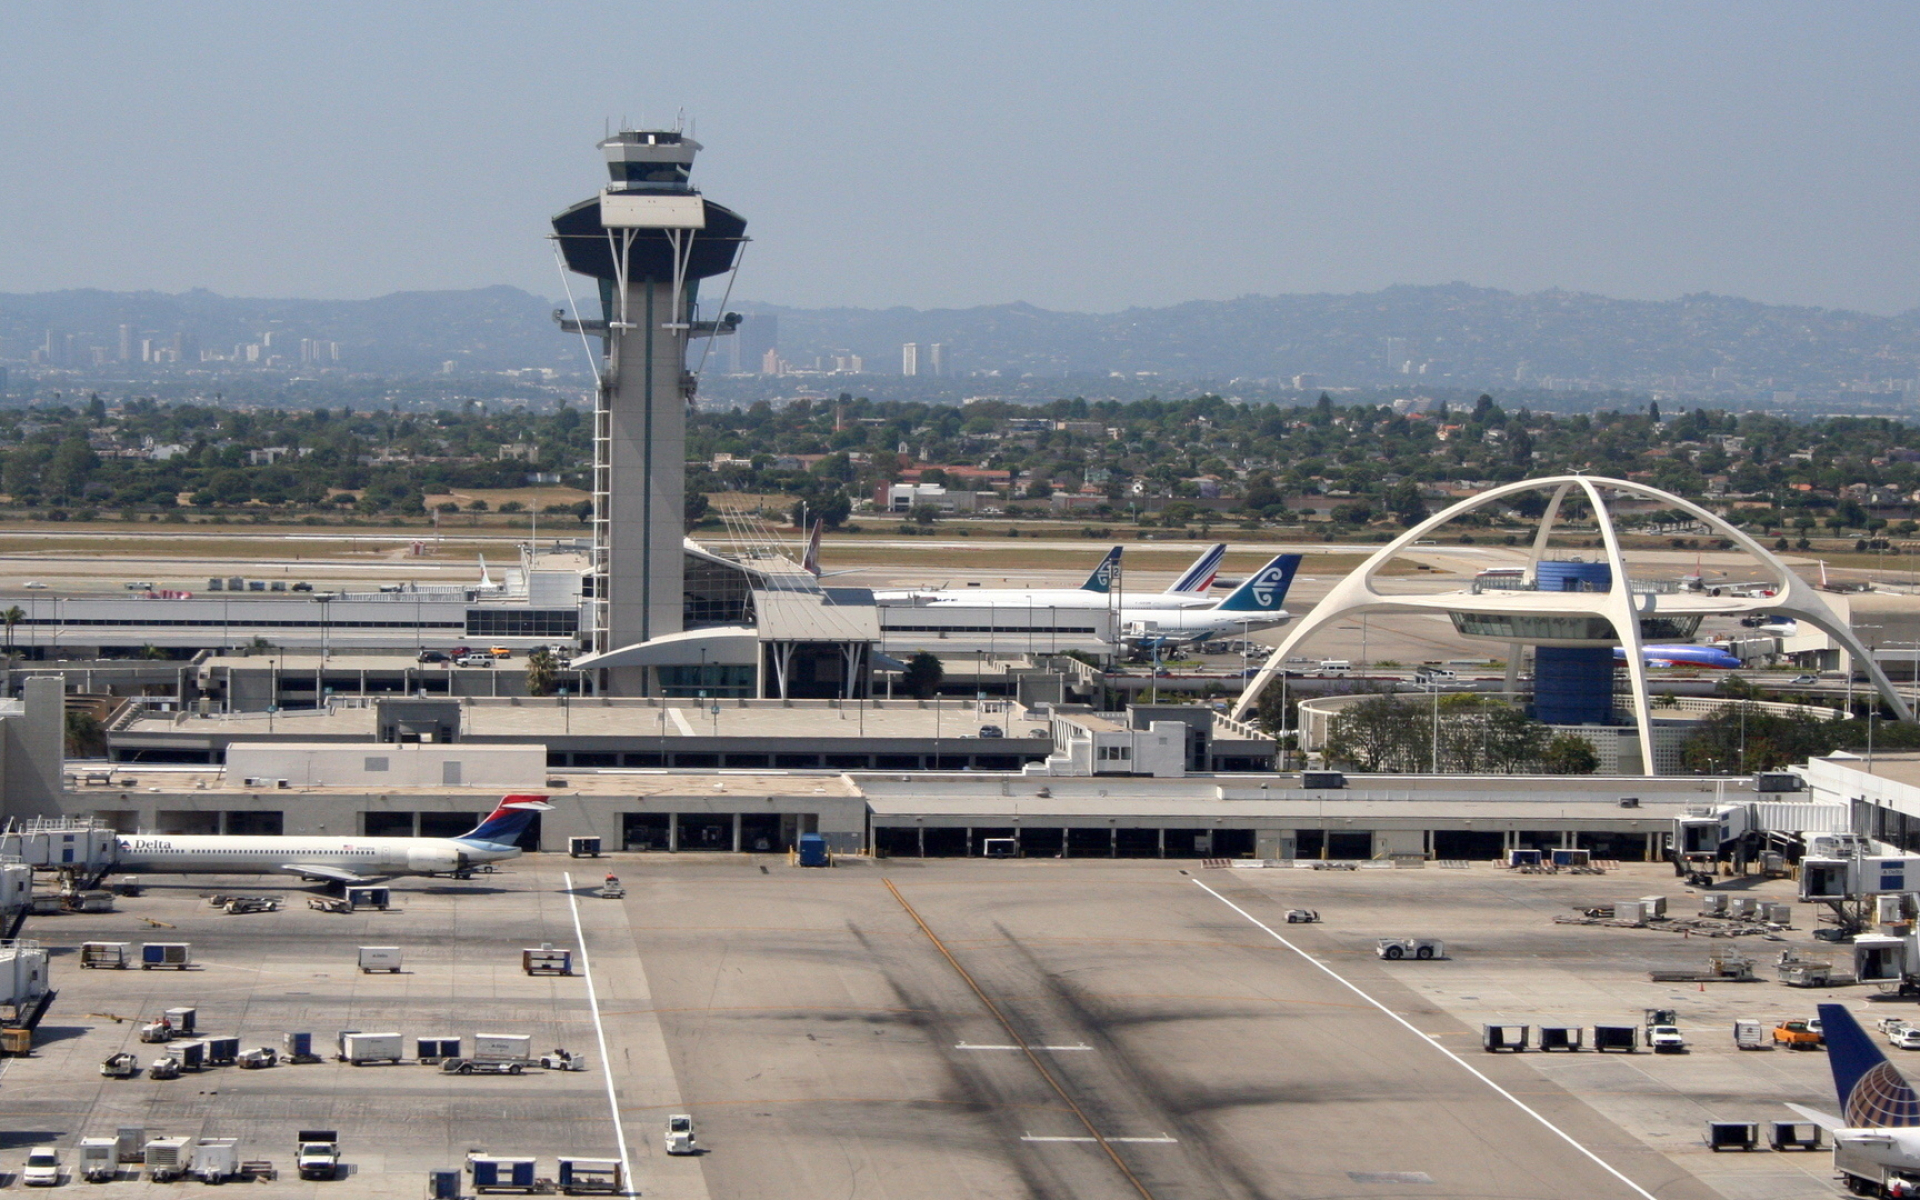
1876 1137
333 859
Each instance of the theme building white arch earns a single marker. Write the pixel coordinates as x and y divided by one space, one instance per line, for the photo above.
1620 605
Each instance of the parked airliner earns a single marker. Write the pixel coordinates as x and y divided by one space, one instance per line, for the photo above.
1255 604
1876 1137
1711 657
1189 591
334 859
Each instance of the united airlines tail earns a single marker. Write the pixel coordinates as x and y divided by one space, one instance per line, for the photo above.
507 821
1265 589
1199 576
1102 578
1873 1094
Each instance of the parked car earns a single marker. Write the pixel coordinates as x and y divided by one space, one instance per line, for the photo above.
476 660
303 586
42 1169
1804 680
433 656
1906 1037
500 652
992 731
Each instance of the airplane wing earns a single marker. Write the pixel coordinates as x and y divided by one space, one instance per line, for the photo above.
322 871
1825 1121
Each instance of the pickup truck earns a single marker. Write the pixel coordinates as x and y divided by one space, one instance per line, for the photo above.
319 1154
1796 1035
1666 1039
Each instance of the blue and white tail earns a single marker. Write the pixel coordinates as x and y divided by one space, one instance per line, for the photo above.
507 821
1873 1093
1265 590
1199 576
1102 578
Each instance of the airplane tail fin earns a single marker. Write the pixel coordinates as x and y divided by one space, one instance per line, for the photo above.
810 562
1873 1094
1199 576
1102 578
508 820
1266 589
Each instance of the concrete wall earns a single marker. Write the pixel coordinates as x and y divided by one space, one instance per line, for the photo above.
371 764
33 750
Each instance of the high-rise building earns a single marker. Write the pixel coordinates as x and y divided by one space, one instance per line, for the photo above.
758 334
937 359
910 359
126 343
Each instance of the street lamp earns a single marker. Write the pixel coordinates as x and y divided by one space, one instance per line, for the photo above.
565 710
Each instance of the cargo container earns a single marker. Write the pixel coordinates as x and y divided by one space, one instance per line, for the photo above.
583 847
813 851
168 1158
215 1160
433 1049
502 1047
361 1048
222 1051
547 961
379 897
492 1173
112 955
99 1159
443 1183
178 955
23 973
192 1056
380 958
578 1175
130 1143
184 1020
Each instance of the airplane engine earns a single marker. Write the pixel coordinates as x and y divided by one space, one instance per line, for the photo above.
432 860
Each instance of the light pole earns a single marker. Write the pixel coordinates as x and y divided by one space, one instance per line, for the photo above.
566 711
1871 645
1433 690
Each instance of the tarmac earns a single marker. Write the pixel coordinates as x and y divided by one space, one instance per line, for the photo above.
940 1028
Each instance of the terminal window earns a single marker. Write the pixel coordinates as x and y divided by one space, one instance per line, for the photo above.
522 622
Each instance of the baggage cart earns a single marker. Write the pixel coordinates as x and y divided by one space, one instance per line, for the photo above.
168 1158
183 1020
431 1050
111 955
583 847
215 1160
494 1173
580 1176
378 896
222 1051
130 1143
380 958
176 955
298 1047
99 1160
360 1049
547 961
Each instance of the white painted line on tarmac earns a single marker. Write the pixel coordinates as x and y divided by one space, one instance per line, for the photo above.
1562 1134
679 721
965 1046
600 1032
1162 1140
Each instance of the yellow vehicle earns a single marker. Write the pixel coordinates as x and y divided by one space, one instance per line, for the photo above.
500 652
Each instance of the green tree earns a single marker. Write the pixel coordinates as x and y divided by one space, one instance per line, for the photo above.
86 737
1570 754
13 616
542 674
923 674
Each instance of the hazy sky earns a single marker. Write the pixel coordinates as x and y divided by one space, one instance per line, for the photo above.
1089 156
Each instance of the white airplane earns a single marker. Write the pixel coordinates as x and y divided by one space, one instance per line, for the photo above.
1255 604
1876 1138
334 859
1188 591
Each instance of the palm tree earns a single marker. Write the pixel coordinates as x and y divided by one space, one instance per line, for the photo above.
13 616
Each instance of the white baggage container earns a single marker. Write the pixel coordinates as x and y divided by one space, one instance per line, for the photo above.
215 1159
502 1047
99 1160
23 973
380 958
167 1158
361 1048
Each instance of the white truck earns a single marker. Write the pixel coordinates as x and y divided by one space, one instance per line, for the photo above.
1666 1039
680 1139
1410 947
319 1154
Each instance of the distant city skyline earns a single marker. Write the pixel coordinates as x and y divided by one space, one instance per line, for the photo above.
938 158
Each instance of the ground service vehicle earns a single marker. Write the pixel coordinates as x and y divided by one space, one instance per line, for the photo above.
469 1066
1421 948
1666 1039
42 1168
121 1066
1906 1038
319 1154
680 1139
1795 1035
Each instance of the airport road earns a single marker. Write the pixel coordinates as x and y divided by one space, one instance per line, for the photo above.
846 1034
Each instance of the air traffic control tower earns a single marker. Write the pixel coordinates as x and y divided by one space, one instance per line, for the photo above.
648 238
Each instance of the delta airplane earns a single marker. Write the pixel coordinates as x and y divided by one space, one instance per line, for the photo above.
333 859
1255 604
1683 656
1187 592
1876 1137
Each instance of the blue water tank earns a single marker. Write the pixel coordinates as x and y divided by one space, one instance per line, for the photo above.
1573 576
1573 685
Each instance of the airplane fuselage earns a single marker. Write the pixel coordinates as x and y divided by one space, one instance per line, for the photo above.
205 854
1067 598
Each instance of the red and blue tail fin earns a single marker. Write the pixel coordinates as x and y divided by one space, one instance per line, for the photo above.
1199 577
1873 1094
508 820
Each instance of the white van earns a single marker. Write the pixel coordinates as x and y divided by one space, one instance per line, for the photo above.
1335 666
1436 673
